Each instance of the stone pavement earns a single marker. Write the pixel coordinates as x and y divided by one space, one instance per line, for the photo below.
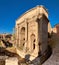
54 58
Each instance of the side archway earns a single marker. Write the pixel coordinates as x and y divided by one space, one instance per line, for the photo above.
22 38
33 41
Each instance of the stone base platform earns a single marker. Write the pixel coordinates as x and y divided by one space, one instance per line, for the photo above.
41 58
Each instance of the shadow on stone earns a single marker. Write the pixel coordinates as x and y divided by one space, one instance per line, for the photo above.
27 57
46 54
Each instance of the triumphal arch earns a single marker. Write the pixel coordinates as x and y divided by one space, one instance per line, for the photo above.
32 32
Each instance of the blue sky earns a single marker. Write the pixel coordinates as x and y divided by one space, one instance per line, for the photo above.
10 10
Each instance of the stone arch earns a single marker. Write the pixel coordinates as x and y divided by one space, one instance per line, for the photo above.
22 38
33 40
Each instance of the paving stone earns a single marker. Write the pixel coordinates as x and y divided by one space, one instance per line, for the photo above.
54 58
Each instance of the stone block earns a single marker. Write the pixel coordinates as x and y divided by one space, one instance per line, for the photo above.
11 61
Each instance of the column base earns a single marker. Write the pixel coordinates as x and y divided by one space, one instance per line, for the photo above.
46 54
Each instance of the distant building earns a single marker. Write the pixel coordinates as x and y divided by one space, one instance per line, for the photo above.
6 36
56 29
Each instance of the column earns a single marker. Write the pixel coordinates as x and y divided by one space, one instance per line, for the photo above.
17 35
26 35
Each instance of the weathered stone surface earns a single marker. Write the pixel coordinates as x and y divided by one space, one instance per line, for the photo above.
32 32
11 61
